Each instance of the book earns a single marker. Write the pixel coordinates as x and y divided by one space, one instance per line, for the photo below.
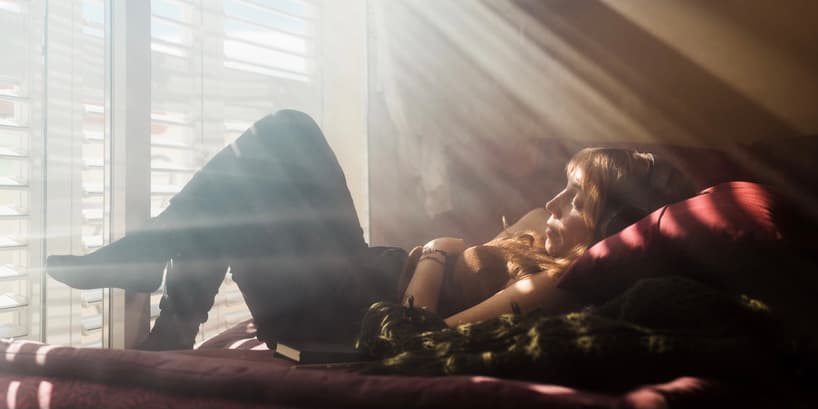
317 353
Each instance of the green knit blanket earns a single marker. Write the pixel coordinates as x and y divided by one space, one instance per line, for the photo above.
657 330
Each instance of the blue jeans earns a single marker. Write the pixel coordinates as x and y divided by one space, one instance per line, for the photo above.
274 207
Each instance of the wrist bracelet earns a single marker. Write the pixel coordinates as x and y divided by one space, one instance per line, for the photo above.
447 263
427 251
435 259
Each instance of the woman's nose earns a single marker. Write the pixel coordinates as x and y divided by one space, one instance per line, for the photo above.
552 206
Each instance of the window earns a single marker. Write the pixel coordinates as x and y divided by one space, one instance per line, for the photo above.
73 150
93 205
66 150
217 66
20 76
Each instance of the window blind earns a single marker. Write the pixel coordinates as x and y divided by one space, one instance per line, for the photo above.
19 40
93 203
68 69
217 66
75 167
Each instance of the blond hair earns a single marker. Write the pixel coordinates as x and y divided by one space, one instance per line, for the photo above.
617 184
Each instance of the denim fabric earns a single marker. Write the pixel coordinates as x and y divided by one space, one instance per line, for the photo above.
274 206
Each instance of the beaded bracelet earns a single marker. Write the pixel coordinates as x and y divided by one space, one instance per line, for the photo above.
447 263
428 251
435 259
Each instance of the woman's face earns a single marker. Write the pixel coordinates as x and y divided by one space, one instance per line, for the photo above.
566 228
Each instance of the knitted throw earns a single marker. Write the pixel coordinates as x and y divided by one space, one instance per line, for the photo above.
658 329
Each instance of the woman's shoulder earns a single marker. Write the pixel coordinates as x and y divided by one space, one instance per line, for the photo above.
483 252
479 272
483 259
534 220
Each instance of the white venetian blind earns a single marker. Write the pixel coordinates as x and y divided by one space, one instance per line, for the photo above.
93 203
19 40
57 86
217 67
75 166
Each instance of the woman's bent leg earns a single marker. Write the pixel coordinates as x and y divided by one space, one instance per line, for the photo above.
280 172
190 289
302 248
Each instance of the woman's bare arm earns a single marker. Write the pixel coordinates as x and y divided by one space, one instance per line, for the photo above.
424 287
536 291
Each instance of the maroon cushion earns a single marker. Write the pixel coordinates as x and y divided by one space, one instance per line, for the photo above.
733 236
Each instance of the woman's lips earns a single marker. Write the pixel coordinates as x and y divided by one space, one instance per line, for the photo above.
552 237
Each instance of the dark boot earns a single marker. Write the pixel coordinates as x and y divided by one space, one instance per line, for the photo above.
216 198
134 263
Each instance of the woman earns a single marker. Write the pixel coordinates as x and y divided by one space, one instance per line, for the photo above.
273 208
607 189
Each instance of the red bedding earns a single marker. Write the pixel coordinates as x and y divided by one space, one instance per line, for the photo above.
34 375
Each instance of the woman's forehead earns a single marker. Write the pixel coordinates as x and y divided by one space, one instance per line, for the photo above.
575 177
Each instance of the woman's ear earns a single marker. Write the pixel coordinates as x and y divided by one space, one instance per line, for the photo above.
616 220
670 183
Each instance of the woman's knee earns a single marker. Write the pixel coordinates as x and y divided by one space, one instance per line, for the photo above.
284 131
287 118
294 115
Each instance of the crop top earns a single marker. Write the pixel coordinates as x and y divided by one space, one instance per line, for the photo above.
477 274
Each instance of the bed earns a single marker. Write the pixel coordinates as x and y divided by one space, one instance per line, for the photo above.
728 223
234 371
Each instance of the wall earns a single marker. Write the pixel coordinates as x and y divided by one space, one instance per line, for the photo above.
766 51
345 94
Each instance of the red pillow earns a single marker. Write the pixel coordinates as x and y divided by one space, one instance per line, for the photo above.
731 236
